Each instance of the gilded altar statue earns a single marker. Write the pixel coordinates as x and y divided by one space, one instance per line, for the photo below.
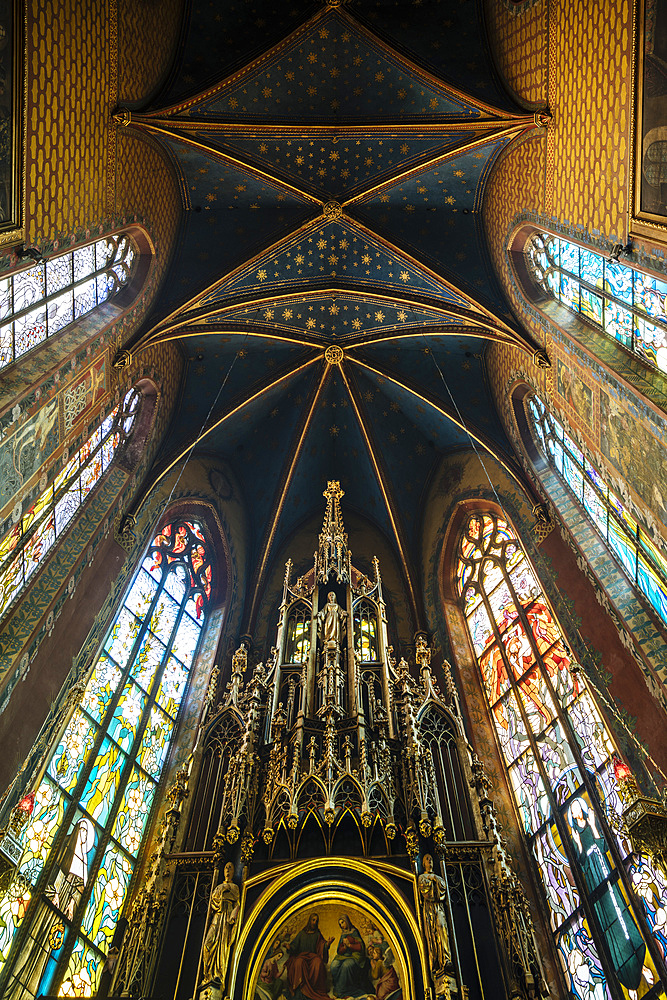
331 621
222 928
433 892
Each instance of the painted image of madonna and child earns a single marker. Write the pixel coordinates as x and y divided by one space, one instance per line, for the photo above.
329 952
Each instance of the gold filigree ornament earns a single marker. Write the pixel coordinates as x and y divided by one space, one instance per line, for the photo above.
332 210
334 355
645 818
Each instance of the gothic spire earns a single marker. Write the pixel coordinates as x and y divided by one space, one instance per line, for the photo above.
332 554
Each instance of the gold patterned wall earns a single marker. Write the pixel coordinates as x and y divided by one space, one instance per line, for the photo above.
518 35
590 74
147 36
69 80
146 185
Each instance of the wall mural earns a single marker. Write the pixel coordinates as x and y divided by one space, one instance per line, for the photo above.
636 453
26 447
575 392
328 950
652 113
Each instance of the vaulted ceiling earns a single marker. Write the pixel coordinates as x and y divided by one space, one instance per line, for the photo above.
331 287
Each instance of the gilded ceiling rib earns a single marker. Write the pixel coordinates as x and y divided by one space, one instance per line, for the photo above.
184 331
302 31
157 477
394 248
382 481
478 436
282 493
217 154
504 129
425 128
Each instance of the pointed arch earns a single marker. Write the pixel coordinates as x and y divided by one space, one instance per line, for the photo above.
438 733
558 753
83 822
45 298
221 741
566 278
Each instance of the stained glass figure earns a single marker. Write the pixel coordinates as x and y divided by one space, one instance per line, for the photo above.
25 546
92 806
607 906
627 304
41 300
642 561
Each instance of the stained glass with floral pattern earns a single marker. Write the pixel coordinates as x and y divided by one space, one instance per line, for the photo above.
40 300
605 904
627 304
25 545
643 562
93 804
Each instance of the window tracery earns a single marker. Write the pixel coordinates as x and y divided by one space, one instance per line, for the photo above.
641 559
25 546
624 302
41 300
558 753
89 812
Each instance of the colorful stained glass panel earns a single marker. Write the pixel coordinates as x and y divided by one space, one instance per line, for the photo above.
133 811
83 972
502 607
581 963
494 674
155 742
556 874
70 755
530 793
561 767
186 640
126 718
510 727
103 782
111 883
101 688
518 649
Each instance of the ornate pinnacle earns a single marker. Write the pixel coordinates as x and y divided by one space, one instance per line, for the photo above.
332 551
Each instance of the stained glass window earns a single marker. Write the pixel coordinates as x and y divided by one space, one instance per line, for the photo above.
365 631
37 302
627 304
558 753
297 646
92 805
643 562
27 543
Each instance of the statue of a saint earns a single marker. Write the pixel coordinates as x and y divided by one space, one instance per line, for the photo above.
331 620
222 929
433 892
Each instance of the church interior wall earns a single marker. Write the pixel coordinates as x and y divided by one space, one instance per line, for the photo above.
147 38
518 33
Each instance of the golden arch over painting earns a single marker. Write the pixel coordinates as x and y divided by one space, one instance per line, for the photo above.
315 934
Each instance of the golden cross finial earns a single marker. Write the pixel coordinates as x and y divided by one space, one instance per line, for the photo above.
333 490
